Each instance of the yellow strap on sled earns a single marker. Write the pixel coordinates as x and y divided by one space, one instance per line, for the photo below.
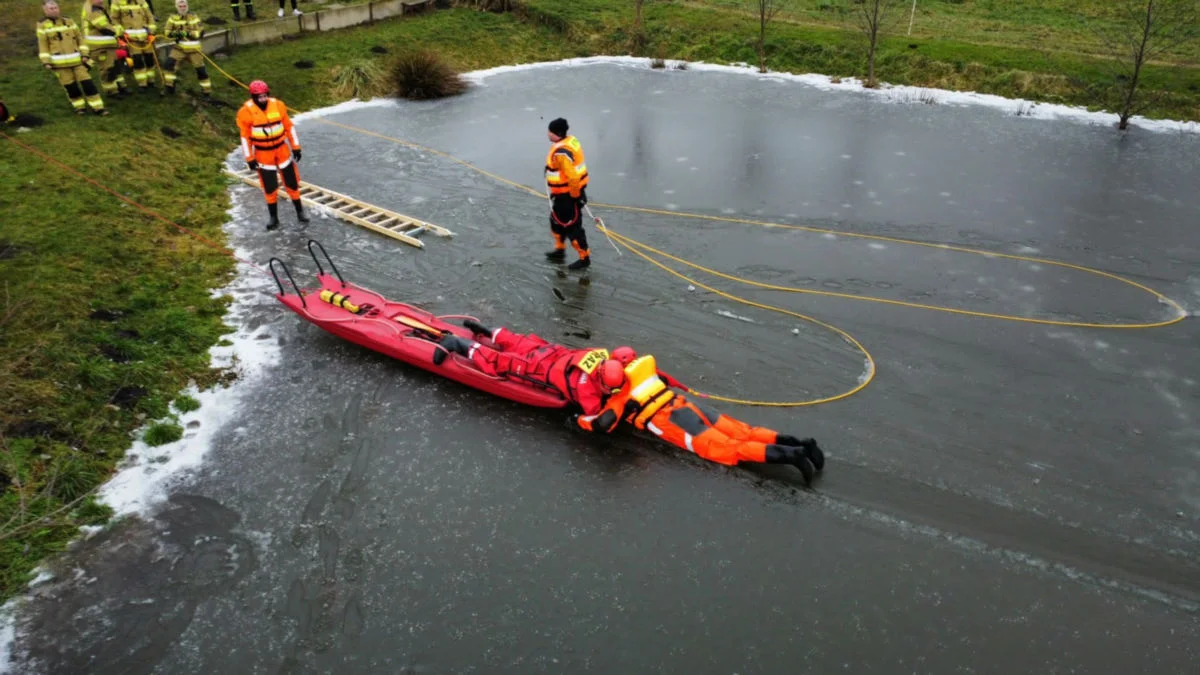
339 300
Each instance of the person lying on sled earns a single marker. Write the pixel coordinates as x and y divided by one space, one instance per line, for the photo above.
643 399
571 372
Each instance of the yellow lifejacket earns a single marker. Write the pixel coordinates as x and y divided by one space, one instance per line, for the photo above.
645 387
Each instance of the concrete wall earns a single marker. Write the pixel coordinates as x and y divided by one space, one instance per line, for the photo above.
338 18
324 20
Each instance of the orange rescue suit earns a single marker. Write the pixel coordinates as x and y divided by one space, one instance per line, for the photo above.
649 404
268 138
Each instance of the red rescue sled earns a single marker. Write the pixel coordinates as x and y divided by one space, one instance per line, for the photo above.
400 331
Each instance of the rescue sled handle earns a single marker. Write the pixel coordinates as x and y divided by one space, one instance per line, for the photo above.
320 269
288 272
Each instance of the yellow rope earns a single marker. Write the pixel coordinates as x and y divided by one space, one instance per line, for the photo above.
640 250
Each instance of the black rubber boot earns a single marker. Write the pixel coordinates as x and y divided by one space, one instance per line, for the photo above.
300 215
274 210
811 449
786 454
477 328
557 255
451 343
581 264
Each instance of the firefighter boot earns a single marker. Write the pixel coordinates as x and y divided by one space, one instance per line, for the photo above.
300 215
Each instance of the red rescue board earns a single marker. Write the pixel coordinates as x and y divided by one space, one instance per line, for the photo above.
409 334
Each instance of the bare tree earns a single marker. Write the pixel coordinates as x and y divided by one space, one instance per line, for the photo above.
1145 31
637 34
766 10
874 17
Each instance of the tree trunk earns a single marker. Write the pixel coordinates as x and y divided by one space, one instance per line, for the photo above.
762 38
1139 59
637 17
871 64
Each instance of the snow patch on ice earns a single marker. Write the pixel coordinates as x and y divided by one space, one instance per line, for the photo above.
829 235
144 477
877 246
347 106
8 634
730 315
867 373
1027 250
43 576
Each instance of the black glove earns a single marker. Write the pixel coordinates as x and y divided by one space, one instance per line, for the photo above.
573 423
296 152
631 409
253 164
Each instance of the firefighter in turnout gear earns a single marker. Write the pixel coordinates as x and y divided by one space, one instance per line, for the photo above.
61 50
140 27
649 404
186 29
270 145
566 180
100 34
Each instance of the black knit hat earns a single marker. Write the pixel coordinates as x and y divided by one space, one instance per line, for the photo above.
558 127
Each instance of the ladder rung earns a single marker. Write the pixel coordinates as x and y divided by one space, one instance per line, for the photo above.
382 220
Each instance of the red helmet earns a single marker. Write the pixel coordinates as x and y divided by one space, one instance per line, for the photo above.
258 87
612 373
625 355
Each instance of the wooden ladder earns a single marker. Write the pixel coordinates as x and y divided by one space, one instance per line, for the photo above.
377 219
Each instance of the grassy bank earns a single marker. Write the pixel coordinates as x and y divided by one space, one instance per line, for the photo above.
106 313
718 32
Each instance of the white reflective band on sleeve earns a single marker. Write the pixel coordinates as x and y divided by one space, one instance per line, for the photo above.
655 430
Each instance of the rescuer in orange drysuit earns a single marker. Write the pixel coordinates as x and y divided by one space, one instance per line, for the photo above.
647 402
566 181
269 143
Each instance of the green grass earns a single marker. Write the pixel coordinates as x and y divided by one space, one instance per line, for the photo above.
161 433
1055 25
186 404
720 33
106 313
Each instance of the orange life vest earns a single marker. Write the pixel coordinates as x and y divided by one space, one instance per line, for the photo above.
266 128
558 183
